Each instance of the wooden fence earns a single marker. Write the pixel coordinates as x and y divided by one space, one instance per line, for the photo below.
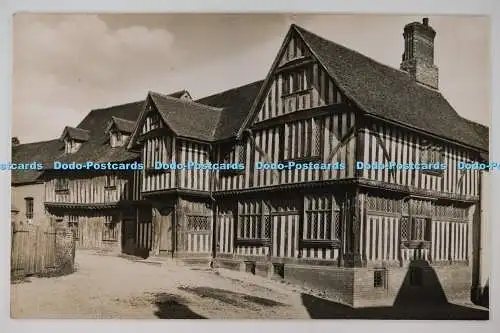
33 249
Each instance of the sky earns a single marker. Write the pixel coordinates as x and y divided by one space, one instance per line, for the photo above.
65 65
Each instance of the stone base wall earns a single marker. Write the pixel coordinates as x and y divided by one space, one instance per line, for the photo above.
418 283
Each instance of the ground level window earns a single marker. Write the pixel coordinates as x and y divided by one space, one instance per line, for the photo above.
254 222
110 230
380 278
322 220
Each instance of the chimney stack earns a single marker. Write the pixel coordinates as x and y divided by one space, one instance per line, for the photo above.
418 56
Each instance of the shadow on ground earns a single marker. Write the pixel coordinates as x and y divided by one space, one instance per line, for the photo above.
421 296
230 297
173 307
319 308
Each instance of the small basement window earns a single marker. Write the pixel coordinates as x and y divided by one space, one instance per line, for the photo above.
380 278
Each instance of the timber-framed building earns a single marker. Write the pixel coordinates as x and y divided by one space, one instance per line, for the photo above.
362 234
366 236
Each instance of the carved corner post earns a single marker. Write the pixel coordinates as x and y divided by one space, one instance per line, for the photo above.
352 229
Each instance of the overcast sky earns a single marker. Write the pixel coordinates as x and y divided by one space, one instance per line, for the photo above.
66 65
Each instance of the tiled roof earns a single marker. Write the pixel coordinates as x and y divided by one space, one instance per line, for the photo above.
44 152
75 133
123 125
97 148
390 93
187 118
236 104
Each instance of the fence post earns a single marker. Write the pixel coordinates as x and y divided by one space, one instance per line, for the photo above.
16 265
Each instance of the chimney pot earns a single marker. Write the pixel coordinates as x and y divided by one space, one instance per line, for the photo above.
418 56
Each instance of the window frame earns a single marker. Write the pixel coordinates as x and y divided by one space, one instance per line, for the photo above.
190 229
413 228
262 233
29 204
315 135
239 152
62 185
380 278
333 215
110 181
432 154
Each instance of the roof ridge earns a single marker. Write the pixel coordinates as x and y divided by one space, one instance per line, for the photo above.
475 122
178 91
115 105
77 128
353 51
122 119
231 89
36 142
186 101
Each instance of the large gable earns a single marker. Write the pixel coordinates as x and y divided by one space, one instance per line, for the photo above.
389 93
212 118
187 118
376 89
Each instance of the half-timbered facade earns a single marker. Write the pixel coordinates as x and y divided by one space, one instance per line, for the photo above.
308 200
315 174
102 205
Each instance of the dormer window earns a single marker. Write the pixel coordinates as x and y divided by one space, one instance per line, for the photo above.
74 138
116 139
119 131
182 94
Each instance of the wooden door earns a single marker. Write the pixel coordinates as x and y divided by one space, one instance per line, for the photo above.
128 236
166 230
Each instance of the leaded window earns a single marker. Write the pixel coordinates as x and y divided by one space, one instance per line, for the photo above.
254 221
415 228
431 154
197 223
322 219
302 139
235 155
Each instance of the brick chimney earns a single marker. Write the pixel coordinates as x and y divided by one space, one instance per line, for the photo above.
418 56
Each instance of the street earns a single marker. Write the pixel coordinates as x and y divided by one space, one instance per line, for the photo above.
113 287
